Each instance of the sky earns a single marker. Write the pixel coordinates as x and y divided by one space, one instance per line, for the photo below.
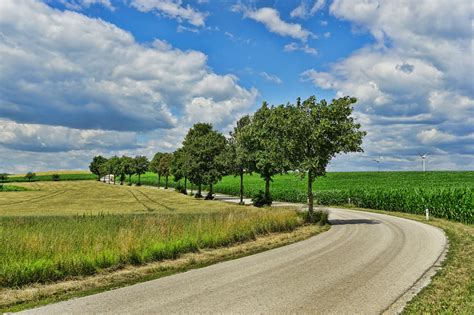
80 78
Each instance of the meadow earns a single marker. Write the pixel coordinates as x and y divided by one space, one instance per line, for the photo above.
48 176
61 230
447 194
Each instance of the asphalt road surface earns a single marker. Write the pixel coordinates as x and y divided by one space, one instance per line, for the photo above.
362 265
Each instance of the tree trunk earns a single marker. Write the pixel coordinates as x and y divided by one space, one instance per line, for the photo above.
241 187
166 182
114 179
159 180
310 194
130 179
139 179
185 182
267 187
198 194
209 194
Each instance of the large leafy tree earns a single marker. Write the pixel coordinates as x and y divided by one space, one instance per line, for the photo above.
154 165
95 166
164 167
114 164
320 131
141 164
203 145
238 155
30 175
127 167
179 168
267 141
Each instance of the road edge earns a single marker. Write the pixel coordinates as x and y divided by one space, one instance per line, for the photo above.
423 281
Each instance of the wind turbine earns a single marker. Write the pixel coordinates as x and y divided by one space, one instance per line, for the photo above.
378 164
423 160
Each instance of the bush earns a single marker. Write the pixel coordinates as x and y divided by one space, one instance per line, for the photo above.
55 177
319 216
260 199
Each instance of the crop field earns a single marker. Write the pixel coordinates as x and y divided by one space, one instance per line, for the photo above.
59 230
447 194
48 176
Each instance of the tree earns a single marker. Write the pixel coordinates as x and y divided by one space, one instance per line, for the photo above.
164 167
320 131
203 145
141 164
114 164
179 167
154 166
95 166
127 167
268 140
30 175
238 157
3 176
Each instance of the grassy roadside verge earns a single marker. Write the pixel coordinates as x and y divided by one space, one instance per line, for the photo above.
12 300
451 290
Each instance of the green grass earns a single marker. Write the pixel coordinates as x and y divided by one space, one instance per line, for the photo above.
49 177
448 194
5 188
61 229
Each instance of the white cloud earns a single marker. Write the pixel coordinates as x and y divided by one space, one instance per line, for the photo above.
303 9
273 22
300 47
63 68
173 9
271 77
79 86
414 83
81 4
43 138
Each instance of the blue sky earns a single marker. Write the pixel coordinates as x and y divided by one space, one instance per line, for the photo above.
87 77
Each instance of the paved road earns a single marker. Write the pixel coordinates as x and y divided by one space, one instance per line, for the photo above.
361 265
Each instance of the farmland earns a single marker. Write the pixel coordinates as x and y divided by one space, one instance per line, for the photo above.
59 230
447 194
48 176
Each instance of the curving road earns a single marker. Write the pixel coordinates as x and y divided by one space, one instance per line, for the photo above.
362 265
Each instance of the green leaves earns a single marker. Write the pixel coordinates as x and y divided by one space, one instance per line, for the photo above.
203 146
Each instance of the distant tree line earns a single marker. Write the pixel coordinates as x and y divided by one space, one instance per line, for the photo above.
301 137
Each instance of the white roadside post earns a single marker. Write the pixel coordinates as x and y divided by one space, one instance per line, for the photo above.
427 213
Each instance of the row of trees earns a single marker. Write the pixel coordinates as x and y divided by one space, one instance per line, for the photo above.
301 137
119 167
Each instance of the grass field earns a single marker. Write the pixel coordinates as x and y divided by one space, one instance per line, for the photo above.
447 194
5 188
48 176
60 230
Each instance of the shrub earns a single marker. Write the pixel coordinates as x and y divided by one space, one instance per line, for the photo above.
260 199
319 216
55 177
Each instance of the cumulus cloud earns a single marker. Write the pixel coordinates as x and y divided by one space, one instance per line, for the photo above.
414 83
84 4
72 87
304 10
273 22
66 69
173 9
42 138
